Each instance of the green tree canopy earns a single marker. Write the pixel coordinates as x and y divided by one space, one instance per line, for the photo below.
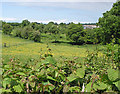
110 24
7 28
25 23
75 32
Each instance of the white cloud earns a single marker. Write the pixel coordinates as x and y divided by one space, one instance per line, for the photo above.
59 1
58 21
47 21
8 19
42 21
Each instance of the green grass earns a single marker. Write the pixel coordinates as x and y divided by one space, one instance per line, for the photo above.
26 49
48 38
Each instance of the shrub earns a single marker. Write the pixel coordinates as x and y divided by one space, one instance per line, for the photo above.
7 28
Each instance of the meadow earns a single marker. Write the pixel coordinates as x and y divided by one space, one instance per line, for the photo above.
26 49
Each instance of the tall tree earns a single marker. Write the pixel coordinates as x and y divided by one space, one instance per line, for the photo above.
110 24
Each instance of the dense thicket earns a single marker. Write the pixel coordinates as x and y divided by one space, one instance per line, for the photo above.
109 28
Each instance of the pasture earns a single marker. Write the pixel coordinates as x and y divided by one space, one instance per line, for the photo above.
26 49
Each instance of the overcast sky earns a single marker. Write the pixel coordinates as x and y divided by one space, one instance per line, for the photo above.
54 10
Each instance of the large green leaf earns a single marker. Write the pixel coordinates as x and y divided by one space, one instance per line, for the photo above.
51 78
112 74
74 88
17 88
62 76
51 87
88 87
48 60
32 84
99 86
4 90
80 72
6 81
72 77
20 73
117 84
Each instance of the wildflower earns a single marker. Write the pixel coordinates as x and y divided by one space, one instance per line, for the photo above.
11 60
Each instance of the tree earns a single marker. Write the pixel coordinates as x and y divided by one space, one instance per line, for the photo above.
17 32
93 36
0 24
62 28
36 36
47 27
75 33
40 27
25 23
7 28
109 24
33 25
54 29
26 32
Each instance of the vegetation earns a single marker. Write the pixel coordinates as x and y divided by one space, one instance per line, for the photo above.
25 49
109 24
50 75
56 61
108 29
7 29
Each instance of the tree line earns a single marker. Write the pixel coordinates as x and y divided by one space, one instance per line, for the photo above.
109 28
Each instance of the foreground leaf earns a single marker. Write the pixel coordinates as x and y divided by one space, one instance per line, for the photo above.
17 88
80 72
117 84
72 77
20 73
112 74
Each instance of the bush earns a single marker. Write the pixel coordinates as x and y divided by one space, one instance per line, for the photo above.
36 36
26 31
7 28
17 32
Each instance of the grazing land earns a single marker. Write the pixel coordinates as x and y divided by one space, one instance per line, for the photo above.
26 49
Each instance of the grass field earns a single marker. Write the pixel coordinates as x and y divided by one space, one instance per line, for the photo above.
26 49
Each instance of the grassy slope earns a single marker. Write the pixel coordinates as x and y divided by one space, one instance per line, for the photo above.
25 49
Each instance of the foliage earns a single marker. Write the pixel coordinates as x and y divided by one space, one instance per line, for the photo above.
91 36
49 75
17 32
47 27
108 29
25 23
25 33
98 72
75 33
7 29
36 36
109 24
